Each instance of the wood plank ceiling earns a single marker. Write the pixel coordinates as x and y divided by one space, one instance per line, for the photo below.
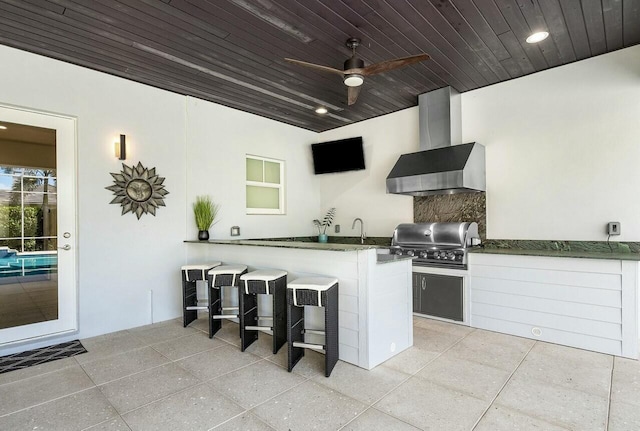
231 51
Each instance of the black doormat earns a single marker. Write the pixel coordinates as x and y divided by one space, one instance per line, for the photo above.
18 361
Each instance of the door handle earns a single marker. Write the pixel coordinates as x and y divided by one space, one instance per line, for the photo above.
65 247
424 284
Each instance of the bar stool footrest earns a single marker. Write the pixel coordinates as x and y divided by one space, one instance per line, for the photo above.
224 316
197 307
258 328
319 347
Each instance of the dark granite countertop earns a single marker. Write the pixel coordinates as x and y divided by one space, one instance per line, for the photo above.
289 244
576 249
387 258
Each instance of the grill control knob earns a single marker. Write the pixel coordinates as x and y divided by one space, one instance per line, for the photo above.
451 256
423 254
410 253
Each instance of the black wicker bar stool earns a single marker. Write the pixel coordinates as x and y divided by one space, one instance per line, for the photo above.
318 292
263 282
219 278
191 274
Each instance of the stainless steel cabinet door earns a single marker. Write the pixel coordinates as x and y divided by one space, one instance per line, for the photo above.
416 292
440 296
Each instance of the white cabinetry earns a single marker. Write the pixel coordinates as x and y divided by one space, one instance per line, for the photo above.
586 303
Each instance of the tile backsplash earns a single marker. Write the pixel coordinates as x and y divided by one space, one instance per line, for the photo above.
457 207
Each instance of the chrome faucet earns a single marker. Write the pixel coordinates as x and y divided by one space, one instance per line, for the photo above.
363 236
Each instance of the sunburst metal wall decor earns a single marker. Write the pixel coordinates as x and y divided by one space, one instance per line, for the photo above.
138 189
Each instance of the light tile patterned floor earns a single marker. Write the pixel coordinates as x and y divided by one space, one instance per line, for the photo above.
165 377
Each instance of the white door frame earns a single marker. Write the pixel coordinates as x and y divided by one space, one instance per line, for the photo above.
66 171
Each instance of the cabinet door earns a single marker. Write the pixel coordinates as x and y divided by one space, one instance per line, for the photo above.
441 296
416 292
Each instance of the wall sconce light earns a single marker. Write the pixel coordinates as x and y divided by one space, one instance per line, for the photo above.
121 148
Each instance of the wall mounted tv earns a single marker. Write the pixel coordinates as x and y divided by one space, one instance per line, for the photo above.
338 156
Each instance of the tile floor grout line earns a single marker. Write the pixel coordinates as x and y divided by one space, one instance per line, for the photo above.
144 345
170 361
407 379
503 386
308 379
205 382
228 372
249 410
441 353
228 420
149 344
41 374
132 374
90 378
184 357
111 355
48 401
108 420
200 382
105 398
374 408
613 366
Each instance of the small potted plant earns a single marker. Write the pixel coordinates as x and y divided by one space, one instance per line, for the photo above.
205 212
324 224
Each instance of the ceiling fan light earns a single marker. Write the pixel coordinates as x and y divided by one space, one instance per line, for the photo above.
537 37
353 80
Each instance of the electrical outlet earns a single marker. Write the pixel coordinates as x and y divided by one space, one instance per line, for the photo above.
613 228
337 228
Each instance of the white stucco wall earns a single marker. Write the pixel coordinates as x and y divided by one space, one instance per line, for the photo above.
363 193
198 146
218 141
563 149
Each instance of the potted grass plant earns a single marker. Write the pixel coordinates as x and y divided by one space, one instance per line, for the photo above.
205 212
324 224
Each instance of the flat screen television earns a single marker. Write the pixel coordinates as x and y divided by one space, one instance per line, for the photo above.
338 156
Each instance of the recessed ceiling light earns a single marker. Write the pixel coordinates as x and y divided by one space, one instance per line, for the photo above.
321 110
537 37
3 127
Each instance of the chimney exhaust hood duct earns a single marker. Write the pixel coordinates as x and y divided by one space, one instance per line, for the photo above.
443 165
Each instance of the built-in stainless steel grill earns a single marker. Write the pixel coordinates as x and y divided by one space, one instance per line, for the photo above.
436 244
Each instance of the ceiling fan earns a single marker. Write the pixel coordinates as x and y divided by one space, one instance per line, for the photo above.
355 70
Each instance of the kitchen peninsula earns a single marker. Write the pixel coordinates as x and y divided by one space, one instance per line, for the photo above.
375 292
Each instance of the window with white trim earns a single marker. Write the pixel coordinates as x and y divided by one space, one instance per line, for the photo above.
265 185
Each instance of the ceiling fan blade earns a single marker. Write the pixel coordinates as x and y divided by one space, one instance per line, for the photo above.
386 66
352 95
315 66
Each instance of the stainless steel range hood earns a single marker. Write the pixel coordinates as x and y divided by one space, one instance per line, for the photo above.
443 165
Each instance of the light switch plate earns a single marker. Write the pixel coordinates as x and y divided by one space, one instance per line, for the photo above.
613 228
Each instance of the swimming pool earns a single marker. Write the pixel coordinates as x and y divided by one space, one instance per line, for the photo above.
25 264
